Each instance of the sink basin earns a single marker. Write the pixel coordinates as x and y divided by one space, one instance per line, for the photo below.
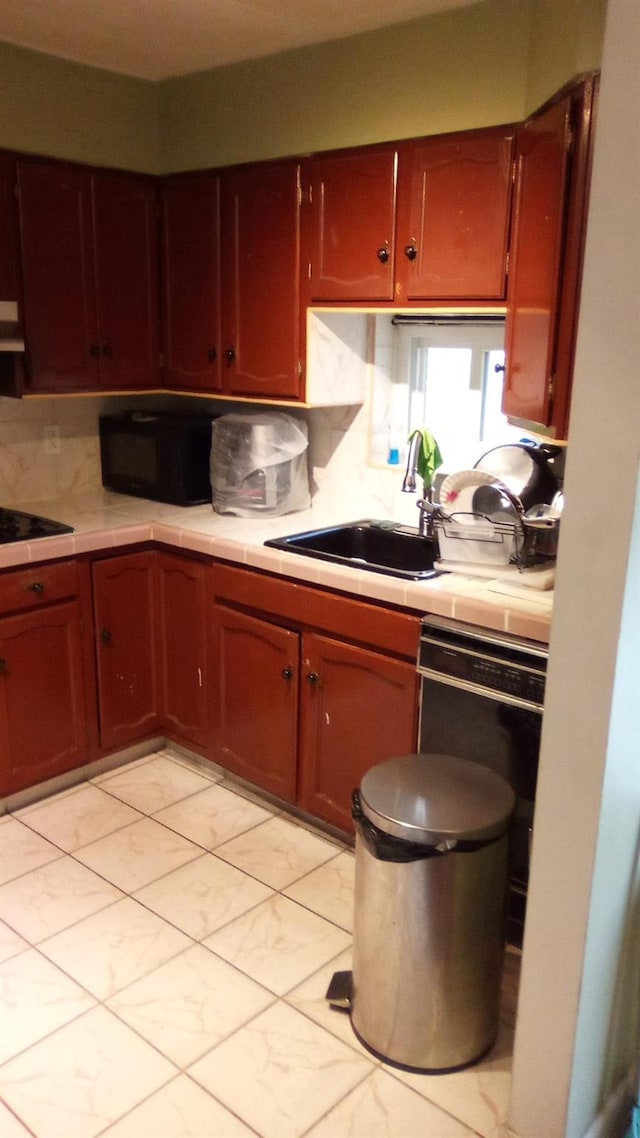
381 547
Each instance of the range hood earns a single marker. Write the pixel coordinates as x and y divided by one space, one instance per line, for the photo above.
10 336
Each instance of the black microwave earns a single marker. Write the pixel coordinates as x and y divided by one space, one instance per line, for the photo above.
160 455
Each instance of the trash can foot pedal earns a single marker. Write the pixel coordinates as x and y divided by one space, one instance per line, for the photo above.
339 991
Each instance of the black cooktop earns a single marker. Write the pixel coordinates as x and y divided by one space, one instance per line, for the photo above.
16 526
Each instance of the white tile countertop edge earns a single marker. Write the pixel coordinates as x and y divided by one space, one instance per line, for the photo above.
105 520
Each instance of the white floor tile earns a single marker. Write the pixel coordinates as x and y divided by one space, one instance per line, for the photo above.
137 855
309 998
36 998
85 1076
10 942
181 1109
278 943
156 783
21 850
213 816
189 1004
280 1073
329 890
10 1127
202 895
77 817
112 948
277 852
381 1107
53 897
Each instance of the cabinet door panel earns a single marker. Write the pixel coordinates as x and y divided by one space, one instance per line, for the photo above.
453 210
58 275
125 615
43 728
9 277
534 284
262 269
360 710
191 282
182 645
127 280
256 702
352 225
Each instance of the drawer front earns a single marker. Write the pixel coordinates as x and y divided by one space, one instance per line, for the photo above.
38 585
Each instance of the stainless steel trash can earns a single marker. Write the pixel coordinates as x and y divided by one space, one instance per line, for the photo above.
430 899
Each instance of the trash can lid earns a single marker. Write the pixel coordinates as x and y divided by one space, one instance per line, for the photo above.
430 799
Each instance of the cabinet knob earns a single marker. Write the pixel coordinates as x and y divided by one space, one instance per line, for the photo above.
107 351
410 252
105 635
212 355
499 368
4 667
230 355
383 255
36 587
287 673
313 678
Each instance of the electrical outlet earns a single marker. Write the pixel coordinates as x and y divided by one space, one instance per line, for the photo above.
51 440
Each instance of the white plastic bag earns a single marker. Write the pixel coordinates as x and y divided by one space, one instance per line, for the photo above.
259 464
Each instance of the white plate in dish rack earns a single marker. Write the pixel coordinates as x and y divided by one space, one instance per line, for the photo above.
457 490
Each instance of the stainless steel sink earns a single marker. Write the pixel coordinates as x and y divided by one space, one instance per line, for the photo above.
382 547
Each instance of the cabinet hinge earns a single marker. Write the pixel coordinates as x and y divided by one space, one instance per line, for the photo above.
514 169
569 140
551 386
309 270
507 263
300 369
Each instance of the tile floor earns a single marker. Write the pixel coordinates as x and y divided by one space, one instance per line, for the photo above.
166 941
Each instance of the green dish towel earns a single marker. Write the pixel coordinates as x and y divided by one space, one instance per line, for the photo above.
429 457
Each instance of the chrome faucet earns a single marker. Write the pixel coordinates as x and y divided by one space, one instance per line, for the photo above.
409 486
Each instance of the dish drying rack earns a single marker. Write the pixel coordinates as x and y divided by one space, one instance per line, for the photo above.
472 538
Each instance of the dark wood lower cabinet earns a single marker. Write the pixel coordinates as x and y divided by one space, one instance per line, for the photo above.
358 709
125 610
255 731
43 721
182 648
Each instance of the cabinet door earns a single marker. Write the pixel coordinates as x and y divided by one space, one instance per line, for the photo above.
182 647
9 277
191 282
124 213
542 154
125 624
256 700
352 222
358 708
453 216
58 276
43 725
261 216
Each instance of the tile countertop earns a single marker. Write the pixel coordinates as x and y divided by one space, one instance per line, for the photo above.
105 520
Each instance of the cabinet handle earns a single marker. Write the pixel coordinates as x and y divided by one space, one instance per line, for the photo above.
212 355
107 351
105 635
230 355
4 667
499 368
383 255
94 350
410 252
36 587
287 673
313 678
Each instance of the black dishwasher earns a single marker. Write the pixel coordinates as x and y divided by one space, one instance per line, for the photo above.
482 698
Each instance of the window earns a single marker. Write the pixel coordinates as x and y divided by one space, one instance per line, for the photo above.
447 376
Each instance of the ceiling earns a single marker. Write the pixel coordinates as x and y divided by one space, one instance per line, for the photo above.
158 39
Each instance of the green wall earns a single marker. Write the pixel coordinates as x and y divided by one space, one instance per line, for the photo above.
50 106
458 69
491 62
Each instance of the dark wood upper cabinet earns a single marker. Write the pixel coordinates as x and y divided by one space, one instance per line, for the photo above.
126 259
89 261
351 236
192 334
553 155
454 196
261 269
9 272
